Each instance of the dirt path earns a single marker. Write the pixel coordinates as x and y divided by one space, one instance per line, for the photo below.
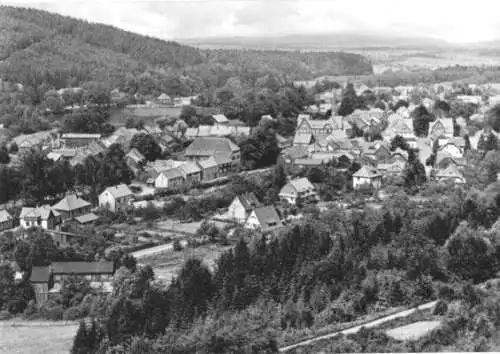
356 329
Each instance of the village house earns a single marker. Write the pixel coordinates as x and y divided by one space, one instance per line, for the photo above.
72 206
217 131
399 126
6 220
367 176
402 154
164 99
169 179
222 149
43 216
78 140
41 281
99 274
392 169
61 154
450 174
441 128
298 190
455 147
209 169
264 219
481 135
444 159
242 206
191 172
116 198
135 160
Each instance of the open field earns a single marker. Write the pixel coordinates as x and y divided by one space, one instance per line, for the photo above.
413 331
45 338
146 115
167 264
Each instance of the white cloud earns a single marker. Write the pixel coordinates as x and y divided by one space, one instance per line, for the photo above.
448 19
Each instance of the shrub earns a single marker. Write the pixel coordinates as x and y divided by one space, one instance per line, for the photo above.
31 309
5 315
441 308
53 313
71 314
177 246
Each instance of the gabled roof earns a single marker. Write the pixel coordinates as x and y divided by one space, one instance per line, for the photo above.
71 202
40 274
447 123
268 217
42 212
163 96
220 118
135 155
449 172
367 172
301 184
5 216
211 146
401 152
119 191
82 267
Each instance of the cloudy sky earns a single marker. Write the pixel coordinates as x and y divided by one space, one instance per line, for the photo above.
452 20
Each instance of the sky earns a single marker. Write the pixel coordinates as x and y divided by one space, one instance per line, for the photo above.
452 20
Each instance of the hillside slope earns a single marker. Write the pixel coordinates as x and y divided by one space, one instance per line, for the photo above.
42 49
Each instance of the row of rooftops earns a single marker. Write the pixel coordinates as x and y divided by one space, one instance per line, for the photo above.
42 274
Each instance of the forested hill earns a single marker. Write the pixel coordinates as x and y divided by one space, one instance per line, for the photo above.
38 48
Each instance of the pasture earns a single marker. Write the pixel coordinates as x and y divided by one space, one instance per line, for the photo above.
39 338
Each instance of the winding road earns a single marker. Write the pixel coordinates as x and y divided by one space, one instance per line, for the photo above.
355 329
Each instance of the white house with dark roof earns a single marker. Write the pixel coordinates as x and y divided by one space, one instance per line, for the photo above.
298 189
242 206
264 219
116 198
367 176
43 216
168 179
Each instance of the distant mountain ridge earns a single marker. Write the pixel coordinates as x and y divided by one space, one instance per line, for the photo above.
333 41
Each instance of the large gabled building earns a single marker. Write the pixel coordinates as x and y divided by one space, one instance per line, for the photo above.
218 148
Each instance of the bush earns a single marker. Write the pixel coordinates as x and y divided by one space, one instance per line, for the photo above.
177 246
71 314
441 308
52 313
31 309
5 315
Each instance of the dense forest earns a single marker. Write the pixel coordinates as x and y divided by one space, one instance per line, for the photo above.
42 50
